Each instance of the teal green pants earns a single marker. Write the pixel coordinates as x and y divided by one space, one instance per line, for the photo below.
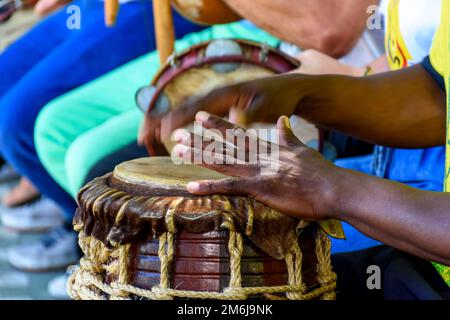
76 130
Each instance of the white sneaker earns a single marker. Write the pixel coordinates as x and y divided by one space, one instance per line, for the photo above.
42 215
57 287
54 251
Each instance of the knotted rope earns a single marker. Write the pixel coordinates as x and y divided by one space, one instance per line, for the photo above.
88 281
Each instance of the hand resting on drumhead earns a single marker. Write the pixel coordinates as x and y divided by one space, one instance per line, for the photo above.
308 186
297 185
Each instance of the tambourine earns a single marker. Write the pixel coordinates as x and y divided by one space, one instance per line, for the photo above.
208 66
145 237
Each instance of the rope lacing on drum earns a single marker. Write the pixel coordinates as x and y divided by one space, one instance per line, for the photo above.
88 281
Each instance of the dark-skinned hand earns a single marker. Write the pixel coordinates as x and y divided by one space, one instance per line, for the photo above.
308 186
263 100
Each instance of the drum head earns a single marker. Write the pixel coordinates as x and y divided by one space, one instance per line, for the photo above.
199 82
162 173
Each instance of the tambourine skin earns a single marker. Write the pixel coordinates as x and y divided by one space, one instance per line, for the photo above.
206 12
196 72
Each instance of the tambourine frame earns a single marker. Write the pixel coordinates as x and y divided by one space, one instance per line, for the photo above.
260 55
254 53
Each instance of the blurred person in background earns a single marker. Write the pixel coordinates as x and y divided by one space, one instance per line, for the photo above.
97 121
410 26
48 61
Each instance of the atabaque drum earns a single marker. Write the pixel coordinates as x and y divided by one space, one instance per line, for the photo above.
202 68
144 236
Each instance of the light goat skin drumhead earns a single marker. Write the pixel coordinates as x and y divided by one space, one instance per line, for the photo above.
161 172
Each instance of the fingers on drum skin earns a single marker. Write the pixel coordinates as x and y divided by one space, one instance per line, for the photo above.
238 143
187 154
182 136
242 141
209 159
213 140
237 187
209 121
209 141
237 170
216 155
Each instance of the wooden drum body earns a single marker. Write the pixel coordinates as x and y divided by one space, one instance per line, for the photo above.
144 236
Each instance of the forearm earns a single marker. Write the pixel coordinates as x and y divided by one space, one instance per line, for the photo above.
411 220
330 26
403 109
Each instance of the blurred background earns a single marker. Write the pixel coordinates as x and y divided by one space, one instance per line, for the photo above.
15 284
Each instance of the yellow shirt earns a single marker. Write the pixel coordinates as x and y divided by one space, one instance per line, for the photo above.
409 32
440 61
397 52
